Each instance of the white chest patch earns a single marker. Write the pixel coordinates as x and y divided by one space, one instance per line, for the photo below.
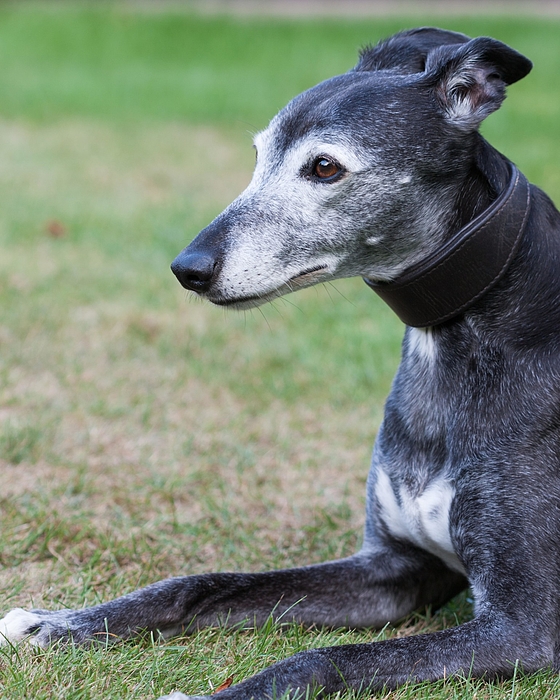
422 520
422 344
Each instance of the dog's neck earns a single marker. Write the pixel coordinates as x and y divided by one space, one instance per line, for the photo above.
467 266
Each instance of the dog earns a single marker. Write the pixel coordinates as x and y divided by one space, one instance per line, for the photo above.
382 173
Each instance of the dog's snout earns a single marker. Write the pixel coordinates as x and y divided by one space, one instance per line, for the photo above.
194 270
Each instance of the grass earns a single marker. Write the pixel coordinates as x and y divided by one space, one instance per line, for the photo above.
143 435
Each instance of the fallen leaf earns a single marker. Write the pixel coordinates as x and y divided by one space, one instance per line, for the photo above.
55 228
224 685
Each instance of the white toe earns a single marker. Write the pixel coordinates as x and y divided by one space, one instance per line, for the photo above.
17 625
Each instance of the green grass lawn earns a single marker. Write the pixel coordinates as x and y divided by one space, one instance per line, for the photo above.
142 434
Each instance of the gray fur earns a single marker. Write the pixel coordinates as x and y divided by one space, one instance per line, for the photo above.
464 486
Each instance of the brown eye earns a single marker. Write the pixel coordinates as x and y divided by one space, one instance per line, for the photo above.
326 169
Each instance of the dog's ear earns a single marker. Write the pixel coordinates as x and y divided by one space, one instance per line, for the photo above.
407 51
470 80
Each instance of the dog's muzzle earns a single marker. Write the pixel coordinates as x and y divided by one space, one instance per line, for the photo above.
198 265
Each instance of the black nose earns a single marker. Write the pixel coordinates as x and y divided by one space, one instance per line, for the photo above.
194 270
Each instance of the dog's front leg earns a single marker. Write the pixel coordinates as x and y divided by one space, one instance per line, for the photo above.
369 589
490 646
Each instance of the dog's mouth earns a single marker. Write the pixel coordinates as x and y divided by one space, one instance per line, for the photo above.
302 279
307 276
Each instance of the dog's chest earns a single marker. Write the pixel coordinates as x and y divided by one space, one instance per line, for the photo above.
422 519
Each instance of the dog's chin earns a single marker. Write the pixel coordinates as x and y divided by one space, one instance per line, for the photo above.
304 279
249 302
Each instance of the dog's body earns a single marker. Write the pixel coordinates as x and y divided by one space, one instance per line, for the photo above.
369 174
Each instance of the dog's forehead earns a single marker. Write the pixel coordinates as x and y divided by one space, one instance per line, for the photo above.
354 102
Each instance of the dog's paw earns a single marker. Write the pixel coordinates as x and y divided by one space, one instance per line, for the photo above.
19 624
37 627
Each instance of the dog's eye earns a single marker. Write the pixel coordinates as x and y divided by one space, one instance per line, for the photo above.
326 169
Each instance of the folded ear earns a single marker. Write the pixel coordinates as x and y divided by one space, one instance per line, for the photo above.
470 80
407 51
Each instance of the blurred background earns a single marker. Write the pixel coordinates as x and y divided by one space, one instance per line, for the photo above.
143 434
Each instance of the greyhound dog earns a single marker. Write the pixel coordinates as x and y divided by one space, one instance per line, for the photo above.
382 173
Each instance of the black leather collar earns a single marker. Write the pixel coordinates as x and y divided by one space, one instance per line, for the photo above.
449 281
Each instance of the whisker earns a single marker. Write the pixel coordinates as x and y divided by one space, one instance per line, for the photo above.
265 318
337 290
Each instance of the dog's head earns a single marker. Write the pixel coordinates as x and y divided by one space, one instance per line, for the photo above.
358 175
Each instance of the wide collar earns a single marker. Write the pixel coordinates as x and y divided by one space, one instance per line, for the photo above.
448 282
